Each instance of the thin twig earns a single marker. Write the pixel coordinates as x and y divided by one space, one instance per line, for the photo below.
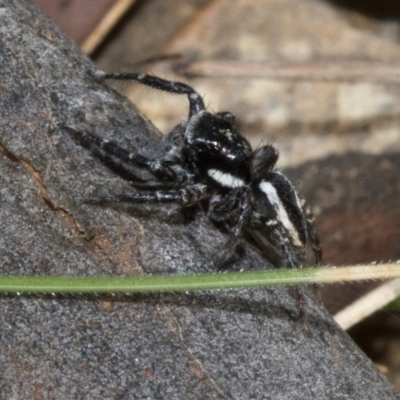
106 25
368 304
310 71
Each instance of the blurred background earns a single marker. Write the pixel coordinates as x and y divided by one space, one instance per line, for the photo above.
318 78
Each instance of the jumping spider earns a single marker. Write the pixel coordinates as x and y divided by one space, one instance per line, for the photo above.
208 160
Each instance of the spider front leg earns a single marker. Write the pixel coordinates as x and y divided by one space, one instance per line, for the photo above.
195 100
235 205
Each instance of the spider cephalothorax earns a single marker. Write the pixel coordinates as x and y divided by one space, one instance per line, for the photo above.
207 159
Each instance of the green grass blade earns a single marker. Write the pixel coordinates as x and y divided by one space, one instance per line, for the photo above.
158 283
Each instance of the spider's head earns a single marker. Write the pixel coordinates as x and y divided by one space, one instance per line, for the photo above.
217 151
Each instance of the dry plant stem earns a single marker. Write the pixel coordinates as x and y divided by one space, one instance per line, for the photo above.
368 304
357 273
116 12
311 71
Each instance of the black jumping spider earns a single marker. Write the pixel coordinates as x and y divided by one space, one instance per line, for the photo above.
208 160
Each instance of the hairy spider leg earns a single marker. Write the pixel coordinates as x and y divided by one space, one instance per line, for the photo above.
284 243
156 167
221 209
195 100
188 196
300 293
311 230
243 216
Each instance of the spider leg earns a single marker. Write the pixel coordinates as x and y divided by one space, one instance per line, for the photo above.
311 231
299 290
243 215
109 148
155 167
195 100
284 242
272 229
313 240
221 210
188 196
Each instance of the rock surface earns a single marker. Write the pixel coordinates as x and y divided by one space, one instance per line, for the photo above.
210 345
